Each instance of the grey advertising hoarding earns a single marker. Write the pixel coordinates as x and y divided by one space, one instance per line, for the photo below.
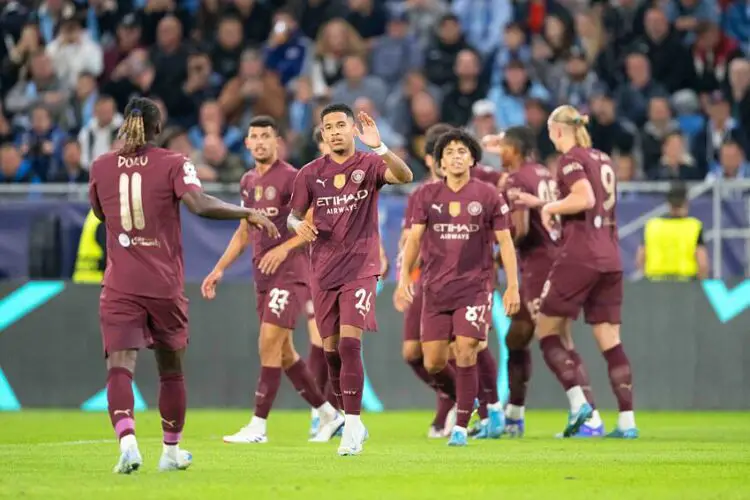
689 345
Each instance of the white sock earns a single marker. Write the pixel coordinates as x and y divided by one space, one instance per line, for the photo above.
170 450
485 421
595 420
314 413
462 430
625 421
576 398
514 412
495 406
127 442
354 420
326 409
258 424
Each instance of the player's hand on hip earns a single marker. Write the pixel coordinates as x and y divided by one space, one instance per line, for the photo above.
271 261
369 134
208 287
307 231
511 301
264 224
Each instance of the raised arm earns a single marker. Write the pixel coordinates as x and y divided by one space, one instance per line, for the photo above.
397 171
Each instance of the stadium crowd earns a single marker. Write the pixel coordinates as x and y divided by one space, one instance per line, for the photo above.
667 83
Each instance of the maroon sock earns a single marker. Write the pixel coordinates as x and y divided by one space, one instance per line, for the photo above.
487 373
268 385
620 377
333 359
316 362
172 406
302 380
444 406
519 373
583 376
445 381
467 384
352 374
331 397
558 360
417 366
120 401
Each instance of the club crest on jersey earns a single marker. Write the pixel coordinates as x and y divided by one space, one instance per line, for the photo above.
358 176
270 193
474 208
454 208
339 181
258 193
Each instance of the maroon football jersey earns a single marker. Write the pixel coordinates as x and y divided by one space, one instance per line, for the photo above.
534 179
140 196
590 237
458 241
270 194
344 198
486 174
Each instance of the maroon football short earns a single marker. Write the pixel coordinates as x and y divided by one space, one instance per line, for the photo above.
470 321
134 322
281 304
352 304
413 316
532 284
571 287
309 308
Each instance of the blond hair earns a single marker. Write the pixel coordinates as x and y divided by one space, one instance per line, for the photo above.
569 116
133 132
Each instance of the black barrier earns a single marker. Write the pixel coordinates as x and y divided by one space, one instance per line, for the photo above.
683 355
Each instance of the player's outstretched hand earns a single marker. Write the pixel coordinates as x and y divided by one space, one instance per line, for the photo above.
492 143
264 223
368 134
307 231
524 199
273 259
511 301
208 287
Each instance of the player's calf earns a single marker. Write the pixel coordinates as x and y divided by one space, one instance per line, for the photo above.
620 378
120 405
172 408
466 385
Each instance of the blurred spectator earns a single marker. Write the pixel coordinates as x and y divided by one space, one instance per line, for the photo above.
442 51
6 129
550 50
128 38
13 166
212 122
514 47
736 23
368 17
301 111
398 105
468 89
719 128
42 144
483 22
387 134
591 35
612 134
49 14
357 83
732 163
43 86
313 14
134 75
225 55
255 17
676 162
622 22
660 124
336 40
254 91
533 13
686 15
202 84
155 11
227 167
396 52
712 53
739 84
423 16
73 52
578 84
424 114
536 114
101 20
72 170
207 18
509 97
634 95
671 64
176 139
287 49
97 136
19 56
169 59
482 124
687 110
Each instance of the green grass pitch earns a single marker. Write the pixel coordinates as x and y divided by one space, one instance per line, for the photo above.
69 455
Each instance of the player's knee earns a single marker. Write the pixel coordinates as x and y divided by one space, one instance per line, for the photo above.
289 355
435 357
466 351
411 351
607 335
122 359
519 335
270 347
168 362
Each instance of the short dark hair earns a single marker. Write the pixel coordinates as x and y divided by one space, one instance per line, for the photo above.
71 140
462 136
263 121
677 195
522 139
732 142
336 108
432 135
107 98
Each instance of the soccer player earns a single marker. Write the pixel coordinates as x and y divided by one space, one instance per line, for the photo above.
136 191
587 273
537 248
281 273
444 384
459 218
342 189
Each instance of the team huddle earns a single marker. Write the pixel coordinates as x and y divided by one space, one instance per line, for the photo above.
316 248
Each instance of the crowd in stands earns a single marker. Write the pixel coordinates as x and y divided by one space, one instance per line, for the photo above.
666 82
